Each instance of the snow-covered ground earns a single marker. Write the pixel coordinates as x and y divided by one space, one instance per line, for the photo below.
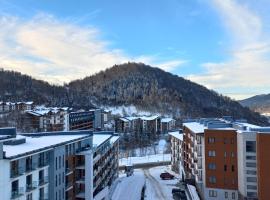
130 188
145 159
156 188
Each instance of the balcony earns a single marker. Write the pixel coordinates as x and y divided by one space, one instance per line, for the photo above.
30 168
31 186
17 193
43 163
69 185
80 194
16 173
43 181
80 180
68 171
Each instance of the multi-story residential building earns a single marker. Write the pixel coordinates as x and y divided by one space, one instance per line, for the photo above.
16 106
167 124
150 125
226 159
55 165
176 138
48 119
81 120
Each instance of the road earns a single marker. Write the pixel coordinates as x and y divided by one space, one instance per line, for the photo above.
156 189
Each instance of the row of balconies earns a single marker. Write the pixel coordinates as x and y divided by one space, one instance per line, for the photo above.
19 171
29 187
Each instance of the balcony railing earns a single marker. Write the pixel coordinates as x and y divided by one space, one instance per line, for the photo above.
15 173
31 186
17 193
43 181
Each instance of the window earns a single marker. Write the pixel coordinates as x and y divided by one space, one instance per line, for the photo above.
56 163
211 140
252 179
232 168
252 187
250 164
251 157
251 146
211 153
212 193
212 166
233 195
232 154
226 195
212 179
225 154
225 140
59 159
232 140
252 194
225 168
55 180
251 172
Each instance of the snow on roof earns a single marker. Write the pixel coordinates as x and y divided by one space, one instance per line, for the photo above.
150 117
124 119
248 125
167 119
177 135
36 143
98 139
132 118
193 192
114 139
195 127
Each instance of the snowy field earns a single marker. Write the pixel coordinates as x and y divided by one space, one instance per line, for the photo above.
145 159
129 188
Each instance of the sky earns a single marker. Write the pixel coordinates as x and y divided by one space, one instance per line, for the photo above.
221 44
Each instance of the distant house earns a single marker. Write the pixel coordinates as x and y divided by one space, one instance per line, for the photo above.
16 106
167 124
151 124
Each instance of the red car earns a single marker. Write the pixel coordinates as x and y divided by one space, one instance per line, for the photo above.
166 176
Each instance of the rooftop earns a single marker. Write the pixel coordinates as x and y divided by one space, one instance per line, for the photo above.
195 127
177 135
167 119
38 143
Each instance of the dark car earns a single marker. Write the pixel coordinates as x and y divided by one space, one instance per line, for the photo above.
166 176
179 194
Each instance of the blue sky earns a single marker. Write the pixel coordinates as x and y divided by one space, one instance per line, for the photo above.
222 44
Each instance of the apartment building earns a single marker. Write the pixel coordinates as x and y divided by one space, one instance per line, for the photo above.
48 119
176 139
81 120
226 159
16 106
53 165
167 124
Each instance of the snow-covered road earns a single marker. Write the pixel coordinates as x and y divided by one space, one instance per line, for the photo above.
129 188
156 189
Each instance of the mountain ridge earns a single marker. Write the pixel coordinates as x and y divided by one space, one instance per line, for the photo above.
259 103
147 88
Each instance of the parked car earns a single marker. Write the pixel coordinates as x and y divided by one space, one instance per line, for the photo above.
166 176
129 170
179 194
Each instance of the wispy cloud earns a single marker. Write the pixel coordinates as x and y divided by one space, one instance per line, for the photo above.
58 51
248 65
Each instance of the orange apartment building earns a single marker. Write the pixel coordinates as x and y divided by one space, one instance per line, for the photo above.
226 159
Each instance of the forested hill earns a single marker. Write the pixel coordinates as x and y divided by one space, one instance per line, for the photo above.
259 103
147 88
155 90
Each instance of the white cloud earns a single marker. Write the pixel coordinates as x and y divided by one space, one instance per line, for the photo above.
59 51
249 62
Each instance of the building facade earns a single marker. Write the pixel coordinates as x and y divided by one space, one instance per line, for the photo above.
54 165
226 159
